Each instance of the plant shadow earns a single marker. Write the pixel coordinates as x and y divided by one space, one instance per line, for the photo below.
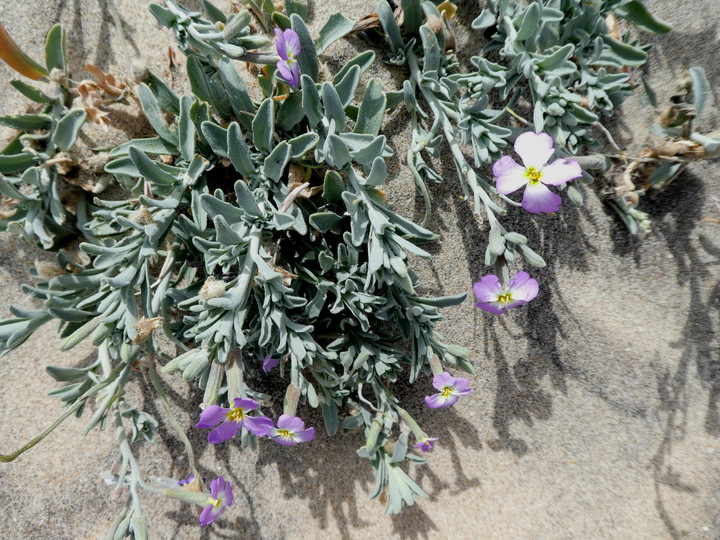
676 214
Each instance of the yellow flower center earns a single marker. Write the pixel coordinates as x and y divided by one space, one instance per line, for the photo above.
533 175
235 415
446 391
215 502
505 298
284 433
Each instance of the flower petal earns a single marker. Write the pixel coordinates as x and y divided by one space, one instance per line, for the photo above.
539 198
280 44
560 171
246 404
211 416
295 72
523 287
290 72
285 71
510 176
491 307
221 489
291 423
216 486
305 435
284 441
257 425
187 480
292 42
535 149
228 495
461 387
269 363
487 289
224 432
437 401
426 444
443 380
208 515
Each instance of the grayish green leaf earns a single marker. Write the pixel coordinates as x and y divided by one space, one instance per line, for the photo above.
55 48
263 126
372 109
67 129
307 59
336 27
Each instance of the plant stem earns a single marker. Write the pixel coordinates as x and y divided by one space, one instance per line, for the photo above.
157 383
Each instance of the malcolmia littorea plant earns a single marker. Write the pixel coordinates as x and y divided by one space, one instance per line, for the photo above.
251 238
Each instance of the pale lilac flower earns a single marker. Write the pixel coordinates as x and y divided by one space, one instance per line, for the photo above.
232 420
426 444
494 298
288 47
535 149
221 496
269 363
451 388
291 431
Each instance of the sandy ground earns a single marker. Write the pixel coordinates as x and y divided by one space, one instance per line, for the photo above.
595 411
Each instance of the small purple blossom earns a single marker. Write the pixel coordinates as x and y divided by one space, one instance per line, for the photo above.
185 481
288 48
291 431
221 496
426 444
188 480
535 149
451 388
232 420
494 298
270 363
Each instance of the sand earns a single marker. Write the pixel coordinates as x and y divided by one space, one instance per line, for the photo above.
595 407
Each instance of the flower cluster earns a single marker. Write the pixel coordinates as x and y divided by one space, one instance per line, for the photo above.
535 150
225 423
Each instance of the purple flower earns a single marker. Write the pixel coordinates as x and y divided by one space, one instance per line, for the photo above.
187 480
494 298
269 363
221 496
291 431
535 149
426 444
232 420
288 47
451 388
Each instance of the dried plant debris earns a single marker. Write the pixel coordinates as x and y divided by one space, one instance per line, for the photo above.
674 144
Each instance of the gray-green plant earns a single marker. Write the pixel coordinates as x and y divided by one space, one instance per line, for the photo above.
215 250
